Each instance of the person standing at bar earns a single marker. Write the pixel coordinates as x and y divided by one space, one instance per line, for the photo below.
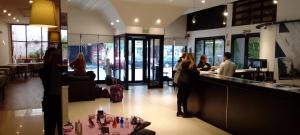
203 65
227 68
52 81
187 79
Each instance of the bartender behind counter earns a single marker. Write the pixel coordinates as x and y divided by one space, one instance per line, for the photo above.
203 65
227 68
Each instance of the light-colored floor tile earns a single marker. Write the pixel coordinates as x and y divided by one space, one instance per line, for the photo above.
156 105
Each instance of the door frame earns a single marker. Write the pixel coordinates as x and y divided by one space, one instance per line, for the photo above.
133 39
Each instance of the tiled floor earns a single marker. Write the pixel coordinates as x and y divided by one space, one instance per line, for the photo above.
157 106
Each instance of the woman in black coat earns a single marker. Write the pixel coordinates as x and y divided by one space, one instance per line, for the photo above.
52 80
187 79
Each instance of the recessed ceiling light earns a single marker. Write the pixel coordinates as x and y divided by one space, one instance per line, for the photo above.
224 23
17 20
112 24
275 1
117 20
30 1
136 20
158 21
4 11
202 1
9 14
14 18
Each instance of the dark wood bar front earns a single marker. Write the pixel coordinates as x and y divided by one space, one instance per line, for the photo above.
245 107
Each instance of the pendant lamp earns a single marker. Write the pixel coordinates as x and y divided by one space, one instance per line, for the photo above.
43 14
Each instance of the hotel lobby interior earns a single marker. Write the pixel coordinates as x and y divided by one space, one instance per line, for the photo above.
242 77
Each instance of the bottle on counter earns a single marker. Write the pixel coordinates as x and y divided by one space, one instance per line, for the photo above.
121 122
114 124
127 123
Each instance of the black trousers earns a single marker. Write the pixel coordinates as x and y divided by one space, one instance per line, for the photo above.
52 115
182 97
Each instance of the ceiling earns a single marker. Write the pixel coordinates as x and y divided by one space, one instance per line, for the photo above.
184 3
125 10
21 9
18 8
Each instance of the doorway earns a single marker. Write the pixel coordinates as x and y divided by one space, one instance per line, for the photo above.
136 60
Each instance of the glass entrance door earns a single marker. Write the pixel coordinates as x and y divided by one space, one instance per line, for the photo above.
155 62
136 60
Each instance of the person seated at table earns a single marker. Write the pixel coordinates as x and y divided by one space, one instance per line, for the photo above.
203 65
227 68
79 65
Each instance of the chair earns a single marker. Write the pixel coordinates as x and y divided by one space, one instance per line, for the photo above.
81 88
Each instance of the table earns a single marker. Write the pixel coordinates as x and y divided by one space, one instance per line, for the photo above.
19 68
113 131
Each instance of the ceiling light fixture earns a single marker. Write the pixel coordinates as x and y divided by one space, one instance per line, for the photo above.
4 11
203 1
136 20
9 14
225 13
117 20
224 22
275 1
43 14
158 21
194 19
30 1
17 20
14 18
112 24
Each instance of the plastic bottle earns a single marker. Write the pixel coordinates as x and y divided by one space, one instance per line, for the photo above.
126 123
121 122
114 125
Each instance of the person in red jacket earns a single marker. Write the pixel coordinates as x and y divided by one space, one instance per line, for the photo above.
79 65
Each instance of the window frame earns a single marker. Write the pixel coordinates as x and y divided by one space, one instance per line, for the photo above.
246 50
214 46
41 41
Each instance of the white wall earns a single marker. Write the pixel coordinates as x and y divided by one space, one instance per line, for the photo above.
4 43
176 28
288 10
87 22
267 45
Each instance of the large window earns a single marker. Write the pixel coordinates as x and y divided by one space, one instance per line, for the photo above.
213 48
253 11
172 53
244 48
96 49
29 43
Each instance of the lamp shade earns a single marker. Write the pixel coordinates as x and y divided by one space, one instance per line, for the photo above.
43 14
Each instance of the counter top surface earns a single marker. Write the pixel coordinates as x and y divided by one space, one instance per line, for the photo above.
276 86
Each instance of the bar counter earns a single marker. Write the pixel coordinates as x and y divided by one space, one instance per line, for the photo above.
246 107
